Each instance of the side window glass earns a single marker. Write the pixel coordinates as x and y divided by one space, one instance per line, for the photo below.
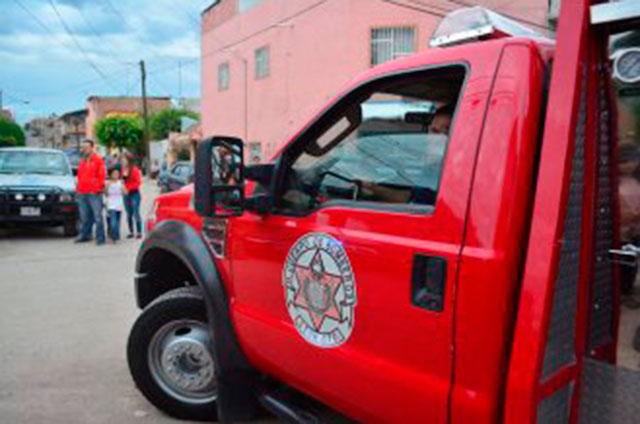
385 148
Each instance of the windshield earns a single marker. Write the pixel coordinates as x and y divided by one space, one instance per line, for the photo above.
30 162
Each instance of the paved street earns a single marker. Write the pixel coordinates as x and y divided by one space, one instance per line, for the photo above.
65 313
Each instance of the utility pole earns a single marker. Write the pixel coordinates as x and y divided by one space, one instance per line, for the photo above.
145 117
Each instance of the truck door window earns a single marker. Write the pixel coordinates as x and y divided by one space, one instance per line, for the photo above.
386 148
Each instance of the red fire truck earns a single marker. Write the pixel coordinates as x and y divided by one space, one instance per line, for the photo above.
437 245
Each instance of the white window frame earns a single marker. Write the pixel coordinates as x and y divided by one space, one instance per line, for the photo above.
224 84
262 63
387 38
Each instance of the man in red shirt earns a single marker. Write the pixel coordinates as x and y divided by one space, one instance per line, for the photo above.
89 190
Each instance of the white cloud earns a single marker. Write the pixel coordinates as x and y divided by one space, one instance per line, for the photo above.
38 61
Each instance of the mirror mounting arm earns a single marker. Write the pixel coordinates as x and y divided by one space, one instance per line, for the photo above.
260 204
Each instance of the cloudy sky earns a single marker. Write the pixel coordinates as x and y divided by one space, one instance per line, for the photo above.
55 53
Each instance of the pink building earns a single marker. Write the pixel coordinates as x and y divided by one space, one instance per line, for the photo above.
267 65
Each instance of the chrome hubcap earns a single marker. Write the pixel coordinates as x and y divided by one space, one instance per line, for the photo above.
181 362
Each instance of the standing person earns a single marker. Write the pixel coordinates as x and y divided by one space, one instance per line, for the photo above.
115 203
91 176
132 182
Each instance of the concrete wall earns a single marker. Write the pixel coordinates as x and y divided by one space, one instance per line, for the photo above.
313 54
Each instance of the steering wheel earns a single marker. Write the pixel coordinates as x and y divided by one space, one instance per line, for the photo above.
355 182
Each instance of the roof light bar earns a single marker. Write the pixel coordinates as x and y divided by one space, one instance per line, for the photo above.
477 23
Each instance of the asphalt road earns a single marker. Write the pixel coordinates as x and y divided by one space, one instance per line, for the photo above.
65 313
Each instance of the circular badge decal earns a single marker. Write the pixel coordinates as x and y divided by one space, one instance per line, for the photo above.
320 290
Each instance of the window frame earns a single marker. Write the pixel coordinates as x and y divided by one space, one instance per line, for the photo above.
334 111
267 72
226 65
413 27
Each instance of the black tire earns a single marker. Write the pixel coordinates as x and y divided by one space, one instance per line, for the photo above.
178 304
70 228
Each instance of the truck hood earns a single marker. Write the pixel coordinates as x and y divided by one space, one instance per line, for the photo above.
64 182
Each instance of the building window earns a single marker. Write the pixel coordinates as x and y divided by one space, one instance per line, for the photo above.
391 43
262 62
224 76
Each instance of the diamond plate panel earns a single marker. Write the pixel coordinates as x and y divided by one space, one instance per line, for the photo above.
560 348
555 408
601 324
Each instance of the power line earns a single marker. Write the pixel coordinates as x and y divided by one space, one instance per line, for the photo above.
77 44
33 16
414 8
95 32
122 18
267 28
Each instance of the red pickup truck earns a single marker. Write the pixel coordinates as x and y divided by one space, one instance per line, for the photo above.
437 245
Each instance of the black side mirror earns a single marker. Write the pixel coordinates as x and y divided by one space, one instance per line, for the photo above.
219 177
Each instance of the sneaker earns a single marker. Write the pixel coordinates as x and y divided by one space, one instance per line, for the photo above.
139 236
130 235
82 240
100 242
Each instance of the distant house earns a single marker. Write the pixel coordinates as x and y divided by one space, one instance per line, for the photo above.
74 128
44 132
99 107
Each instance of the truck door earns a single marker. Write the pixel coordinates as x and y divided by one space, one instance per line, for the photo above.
346 290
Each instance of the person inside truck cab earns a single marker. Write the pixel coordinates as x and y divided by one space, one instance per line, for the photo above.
385 148
440 124
442 120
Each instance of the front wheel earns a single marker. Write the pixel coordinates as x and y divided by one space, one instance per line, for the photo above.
170 356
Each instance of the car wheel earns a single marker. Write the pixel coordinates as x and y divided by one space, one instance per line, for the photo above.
170 356
70 228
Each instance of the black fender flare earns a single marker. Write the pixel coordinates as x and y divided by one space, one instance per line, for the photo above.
237 379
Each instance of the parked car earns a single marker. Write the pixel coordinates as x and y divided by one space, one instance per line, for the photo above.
180 174
37 187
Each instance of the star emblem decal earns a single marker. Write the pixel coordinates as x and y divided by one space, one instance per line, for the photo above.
316 291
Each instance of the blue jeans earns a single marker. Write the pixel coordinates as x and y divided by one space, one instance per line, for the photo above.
90 207
114 225
132 206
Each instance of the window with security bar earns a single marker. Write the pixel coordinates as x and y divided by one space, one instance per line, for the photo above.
224 76
262 62
391 43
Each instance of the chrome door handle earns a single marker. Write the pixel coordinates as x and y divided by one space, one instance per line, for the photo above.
627 255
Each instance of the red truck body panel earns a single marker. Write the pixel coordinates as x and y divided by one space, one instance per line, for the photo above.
416 373
455 370
497 227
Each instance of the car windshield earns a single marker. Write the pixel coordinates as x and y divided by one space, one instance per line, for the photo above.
30 162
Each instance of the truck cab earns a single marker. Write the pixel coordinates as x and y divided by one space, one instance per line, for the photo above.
425 249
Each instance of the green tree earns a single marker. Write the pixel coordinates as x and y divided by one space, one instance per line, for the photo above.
168 120
11 134
120 131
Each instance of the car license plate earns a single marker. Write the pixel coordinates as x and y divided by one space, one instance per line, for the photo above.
29 211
